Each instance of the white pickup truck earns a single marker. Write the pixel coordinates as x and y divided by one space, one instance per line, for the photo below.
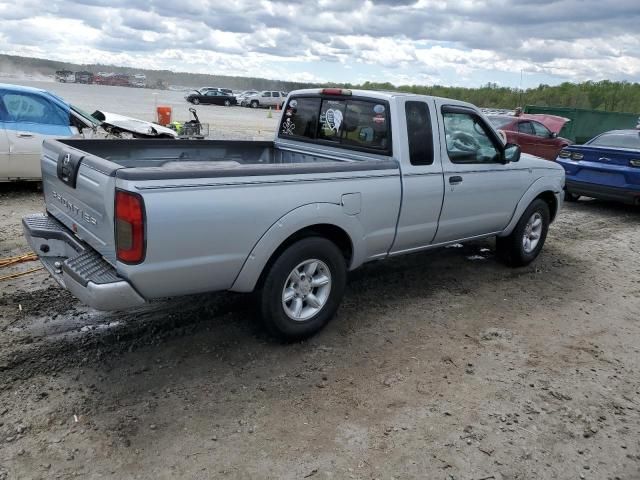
352 176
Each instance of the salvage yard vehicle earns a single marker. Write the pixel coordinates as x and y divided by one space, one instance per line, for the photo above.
30 115
265 99
65 76
606 167
536 134
242 97
211 97
352 177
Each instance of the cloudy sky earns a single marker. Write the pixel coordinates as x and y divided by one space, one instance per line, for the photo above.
462 42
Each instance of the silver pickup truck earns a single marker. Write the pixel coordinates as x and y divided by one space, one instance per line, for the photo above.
352 176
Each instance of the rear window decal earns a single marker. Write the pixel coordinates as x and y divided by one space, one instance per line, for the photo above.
332 119
288 127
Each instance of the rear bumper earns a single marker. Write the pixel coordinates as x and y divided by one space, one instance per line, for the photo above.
77 267
594 190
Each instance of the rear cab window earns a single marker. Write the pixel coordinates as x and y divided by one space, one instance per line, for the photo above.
353 123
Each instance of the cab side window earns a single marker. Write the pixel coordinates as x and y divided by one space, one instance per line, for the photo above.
468 139
419 134
266 94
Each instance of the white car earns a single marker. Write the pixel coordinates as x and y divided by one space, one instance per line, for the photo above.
30 115
242 97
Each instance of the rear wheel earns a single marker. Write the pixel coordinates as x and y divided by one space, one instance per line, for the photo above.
528 237
254 104
303 288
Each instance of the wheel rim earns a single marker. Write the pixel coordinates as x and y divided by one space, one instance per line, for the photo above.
532 233
306 290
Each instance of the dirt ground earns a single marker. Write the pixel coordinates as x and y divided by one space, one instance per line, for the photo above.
446 365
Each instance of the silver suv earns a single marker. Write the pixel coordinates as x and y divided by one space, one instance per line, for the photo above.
267 98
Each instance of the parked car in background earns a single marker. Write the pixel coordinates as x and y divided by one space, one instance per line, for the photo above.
211 97
352 177
112 79
139 80
242 97
204 90
65 76
536 134
267 98
28 116
606 167
84 77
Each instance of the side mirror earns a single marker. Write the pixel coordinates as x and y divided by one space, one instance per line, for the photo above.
553 135
511 152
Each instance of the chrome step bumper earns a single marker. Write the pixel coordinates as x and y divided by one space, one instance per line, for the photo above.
77 267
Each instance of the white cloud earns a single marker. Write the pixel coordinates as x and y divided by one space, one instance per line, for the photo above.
401 41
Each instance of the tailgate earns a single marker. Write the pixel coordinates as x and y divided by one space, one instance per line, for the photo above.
79 191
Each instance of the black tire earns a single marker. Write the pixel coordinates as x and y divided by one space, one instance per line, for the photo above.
227 103
511 249
570 197
195 101
274 316
254 104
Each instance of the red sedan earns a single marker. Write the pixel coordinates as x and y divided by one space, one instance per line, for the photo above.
536 134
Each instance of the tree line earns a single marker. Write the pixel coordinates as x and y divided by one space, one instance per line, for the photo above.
601 95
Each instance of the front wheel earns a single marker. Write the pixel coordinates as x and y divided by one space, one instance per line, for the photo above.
303 288
227 103
195 101
528 237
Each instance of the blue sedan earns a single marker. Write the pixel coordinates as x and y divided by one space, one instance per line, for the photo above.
606 167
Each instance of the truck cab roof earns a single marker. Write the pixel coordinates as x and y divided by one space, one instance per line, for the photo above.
380 94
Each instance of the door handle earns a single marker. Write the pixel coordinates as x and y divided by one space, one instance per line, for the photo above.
455 180
25 135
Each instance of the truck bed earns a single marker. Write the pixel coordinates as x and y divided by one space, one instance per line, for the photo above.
174 159
181 180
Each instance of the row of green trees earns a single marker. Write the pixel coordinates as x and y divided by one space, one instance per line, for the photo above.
603 95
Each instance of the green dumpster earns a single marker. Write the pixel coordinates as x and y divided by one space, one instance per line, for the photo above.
586 124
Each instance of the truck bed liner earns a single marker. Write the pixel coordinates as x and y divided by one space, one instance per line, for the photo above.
175 159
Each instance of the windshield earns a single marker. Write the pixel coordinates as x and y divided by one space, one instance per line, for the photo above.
499 122
618 140
86 116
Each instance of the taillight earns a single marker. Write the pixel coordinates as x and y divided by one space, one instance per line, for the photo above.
335 91
130 241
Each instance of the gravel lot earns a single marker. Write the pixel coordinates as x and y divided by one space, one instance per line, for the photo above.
437 366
